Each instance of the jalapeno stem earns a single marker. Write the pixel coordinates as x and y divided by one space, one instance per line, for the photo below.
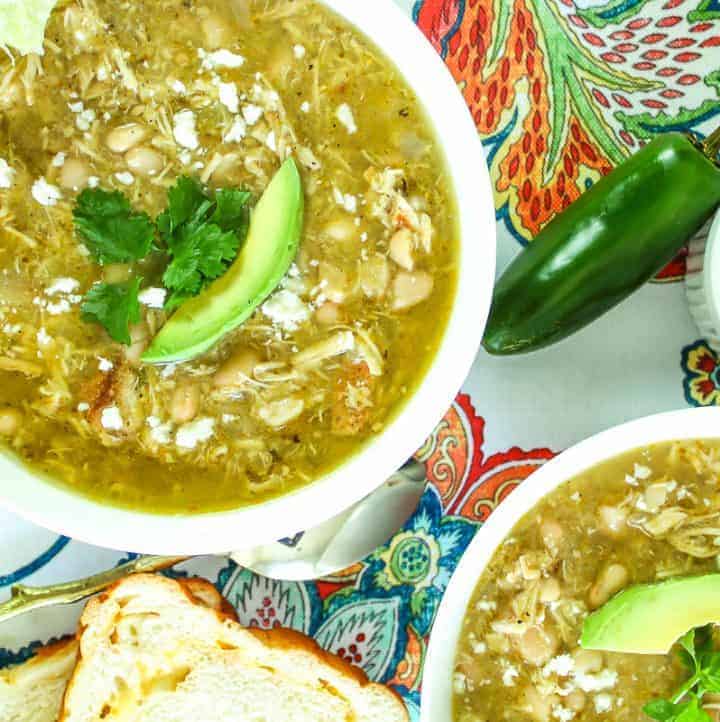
711 145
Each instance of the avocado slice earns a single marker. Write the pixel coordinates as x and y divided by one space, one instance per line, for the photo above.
271 245
650 618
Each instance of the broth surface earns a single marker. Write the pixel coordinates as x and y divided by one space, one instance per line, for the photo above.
645 516
131 96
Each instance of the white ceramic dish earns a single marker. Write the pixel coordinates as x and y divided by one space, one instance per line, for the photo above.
702 282
437 685
56 509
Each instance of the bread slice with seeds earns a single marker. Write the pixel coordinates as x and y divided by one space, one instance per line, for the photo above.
148 653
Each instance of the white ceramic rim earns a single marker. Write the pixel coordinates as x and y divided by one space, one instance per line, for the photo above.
52 507
437 685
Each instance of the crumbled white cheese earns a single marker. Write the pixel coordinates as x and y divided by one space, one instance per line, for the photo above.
190 435
59 160
252 113
576 497
479 647
111 419
93 181
345 115
485 605
237 131
83 406
125 177
605 679
348 201
102 73
603 703
77 107
185 157
299 51
459 682
85 119
43 338
105 364
509 675
178 86
168 371
7 174
56 308
271 141
45 193
62 285
562 665
184 129
153 297
160 433
229 96
305 107
228 418
11 329
562 713
221 59
642 472
286 309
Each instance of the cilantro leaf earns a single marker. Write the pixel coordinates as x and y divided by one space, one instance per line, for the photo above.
661 710
114 306
203 234
111 230
200 252
232 212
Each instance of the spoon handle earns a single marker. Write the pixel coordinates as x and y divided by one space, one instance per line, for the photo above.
24 598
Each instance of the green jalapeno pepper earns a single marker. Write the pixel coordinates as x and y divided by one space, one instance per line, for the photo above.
607 244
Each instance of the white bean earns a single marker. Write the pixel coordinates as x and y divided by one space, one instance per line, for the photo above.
401 248
185 402
329 314
74 174
588 661
10 420
144 161
411 288
549 590
217 32
334 283
612 521
125 137
237 370
552 534
374 276
537 645
610 580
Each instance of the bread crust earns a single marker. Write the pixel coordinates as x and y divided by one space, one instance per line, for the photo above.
296 648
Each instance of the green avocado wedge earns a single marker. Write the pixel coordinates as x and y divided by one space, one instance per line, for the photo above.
271 245
650 618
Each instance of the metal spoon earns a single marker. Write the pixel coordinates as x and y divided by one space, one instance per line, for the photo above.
346 538
334 545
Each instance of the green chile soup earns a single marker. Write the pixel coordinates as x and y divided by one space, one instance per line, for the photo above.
646 516
131 154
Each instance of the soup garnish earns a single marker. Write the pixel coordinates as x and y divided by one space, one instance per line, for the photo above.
133 106
648 517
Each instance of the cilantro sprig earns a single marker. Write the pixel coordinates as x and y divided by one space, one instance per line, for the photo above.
114 306
201 232
111 230
698 655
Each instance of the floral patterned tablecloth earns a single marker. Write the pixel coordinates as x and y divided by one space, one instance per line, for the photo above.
560 90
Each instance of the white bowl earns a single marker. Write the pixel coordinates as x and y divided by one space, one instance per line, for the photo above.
437 680
52 507
702 282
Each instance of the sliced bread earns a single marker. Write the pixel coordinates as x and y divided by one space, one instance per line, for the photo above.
33 691
149 653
